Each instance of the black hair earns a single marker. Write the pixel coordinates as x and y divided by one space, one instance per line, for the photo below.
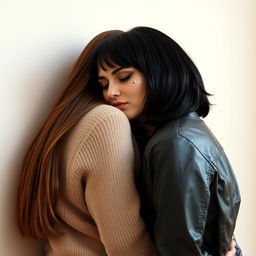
174 84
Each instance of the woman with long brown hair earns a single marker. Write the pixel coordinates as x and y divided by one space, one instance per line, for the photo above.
76 188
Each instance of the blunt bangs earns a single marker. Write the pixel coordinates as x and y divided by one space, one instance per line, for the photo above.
117 51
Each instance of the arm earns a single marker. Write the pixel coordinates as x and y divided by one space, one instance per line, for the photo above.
178 184
110 191
228 202
176 202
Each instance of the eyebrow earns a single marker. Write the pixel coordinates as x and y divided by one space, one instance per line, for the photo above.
113 72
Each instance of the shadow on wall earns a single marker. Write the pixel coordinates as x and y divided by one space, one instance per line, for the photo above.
13 243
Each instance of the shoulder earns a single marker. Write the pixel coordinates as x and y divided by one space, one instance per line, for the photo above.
103 113
100 123
104 117
188 132
194 129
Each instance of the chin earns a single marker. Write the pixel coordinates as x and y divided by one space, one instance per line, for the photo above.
130 117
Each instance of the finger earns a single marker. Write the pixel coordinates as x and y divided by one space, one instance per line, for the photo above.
233 244
231 252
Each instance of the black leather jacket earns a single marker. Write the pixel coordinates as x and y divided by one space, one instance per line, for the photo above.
189 191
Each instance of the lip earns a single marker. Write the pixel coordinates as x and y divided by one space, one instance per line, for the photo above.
120 105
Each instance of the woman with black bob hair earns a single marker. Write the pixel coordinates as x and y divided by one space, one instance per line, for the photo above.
174 84
189 194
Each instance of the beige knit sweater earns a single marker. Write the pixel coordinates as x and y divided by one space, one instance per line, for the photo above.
99 205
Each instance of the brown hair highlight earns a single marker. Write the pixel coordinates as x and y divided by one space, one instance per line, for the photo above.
39 178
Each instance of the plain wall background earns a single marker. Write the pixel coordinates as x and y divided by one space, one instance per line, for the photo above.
40 40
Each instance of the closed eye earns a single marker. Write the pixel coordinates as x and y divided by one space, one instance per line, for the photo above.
103 84
123 79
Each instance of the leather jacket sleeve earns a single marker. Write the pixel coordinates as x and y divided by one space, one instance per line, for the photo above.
192 205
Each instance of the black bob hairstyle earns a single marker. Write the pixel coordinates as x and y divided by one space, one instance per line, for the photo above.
174 84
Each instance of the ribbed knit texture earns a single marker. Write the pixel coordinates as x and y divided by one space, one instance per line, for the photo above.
99 205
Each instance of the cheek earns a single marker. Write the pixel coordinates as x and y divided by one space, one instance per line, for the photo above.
141 95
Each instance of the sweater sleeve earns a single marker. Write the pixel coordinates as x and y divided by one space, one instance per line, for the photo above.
110 191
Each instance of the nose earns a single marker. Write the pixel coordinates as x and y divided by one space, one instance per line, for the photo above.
113 90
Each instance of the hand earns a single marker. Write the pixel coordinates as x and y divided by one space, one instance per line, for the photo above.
232 249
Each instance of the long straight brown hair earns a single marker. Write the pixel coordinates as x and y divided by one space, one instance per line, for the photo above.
39 179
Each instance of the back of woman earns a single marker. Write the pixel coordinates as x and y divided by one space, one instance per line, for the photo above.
98 206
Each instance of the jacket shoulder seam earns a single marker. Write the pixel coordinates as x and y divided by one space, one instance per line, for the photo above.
211 162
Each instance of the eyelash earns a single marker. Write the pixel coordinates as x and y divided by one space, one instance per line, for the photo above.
126 78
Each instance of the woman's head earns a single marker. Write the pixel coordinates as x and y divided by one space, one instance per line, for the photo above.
173 84
124 88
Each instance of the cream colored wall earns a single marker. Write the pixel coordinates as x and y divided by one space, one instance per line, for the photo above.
41 39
